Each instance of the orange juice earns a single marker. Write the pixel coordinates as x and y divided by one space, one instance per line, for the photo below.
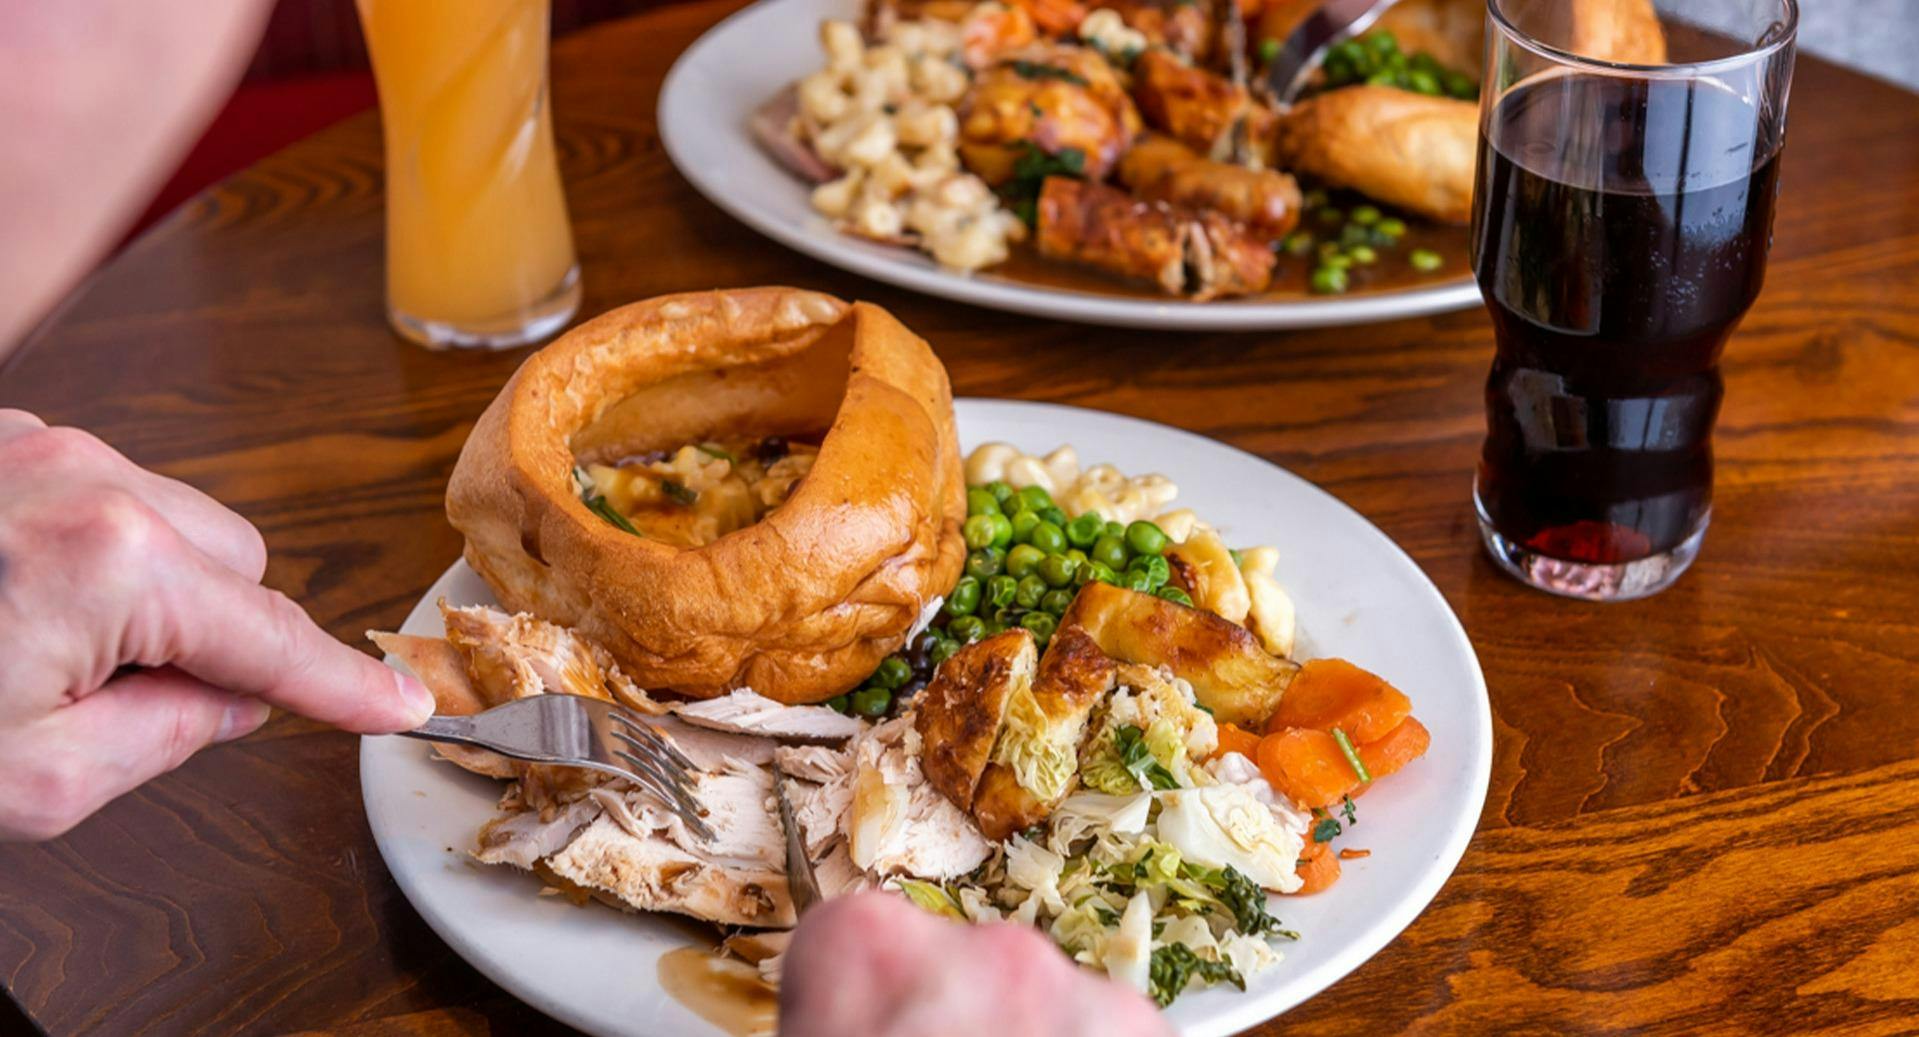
479 251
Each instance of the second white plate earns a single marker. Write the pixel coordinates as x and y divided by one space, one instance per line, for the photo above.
757 52
1358 597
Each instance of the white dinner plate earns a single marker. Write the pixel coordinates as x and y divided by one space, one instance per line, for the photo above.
757 52
1358 597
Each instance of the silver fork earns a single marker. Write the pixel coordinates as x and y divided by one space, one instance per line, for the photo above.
576 731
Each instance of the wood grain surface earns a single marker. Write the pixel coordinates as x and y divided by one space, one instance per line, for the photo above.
1704 813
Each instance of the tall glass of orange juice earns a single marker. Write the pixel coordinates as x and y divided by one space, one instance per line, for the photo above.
478 249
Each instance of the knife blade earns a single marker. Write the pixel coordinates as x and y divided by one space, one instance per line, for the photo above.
1329 23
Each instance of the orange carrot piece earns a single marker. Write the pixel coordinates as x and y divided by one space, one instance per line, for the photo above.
1329 693
1401 746
1236 739
1318 867
1306 767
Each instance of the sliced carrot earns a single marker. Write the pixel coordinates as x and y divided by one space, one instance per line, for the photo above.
1318 867
1306 766
1329 693
1236 739
1401 746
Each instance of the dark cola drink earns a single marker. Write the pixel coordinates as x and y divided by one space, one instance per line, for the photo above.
1620 232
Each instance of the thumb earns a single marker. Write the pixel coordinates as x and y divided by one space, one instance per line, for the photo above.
132 729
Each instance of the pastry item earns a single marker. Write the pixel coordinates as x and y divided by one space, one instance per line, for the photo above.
799 605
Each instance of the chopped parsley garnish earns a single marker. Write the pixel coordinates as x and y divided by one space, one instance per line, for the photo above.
1130 741
1243 897
714 451
1326 830
1036 70
1350 811
1030 171
1175 965
678 492
597 504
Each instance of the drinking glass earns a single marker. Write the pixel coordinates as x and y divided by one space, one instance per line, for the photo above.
478 248
1621 218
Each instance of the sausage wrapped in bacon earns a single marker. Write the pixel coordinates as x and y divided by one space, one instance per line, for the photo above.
1201 255
1161 169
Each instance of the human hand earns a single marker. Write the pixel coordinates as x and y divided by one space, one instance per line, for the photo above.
104 565
876 966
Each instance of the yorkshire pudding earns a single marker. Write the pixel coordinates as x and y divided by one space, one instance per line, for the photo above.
799 605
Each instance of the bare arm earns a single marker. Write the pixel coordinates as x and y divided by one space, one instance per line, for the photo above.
101 98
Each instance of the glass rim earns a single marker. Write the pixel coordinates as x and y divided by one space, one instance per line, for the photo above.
1680 70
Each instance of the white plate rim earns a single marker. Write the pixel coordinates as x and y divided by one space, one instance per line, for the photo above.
1240 1011
679 122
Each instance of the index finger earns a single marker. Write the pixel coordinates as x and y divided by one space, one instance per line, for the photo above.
251 640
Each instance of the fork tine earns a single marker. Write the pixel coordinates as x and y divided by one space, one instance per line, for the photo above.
628 718
675 798
679 792
677 775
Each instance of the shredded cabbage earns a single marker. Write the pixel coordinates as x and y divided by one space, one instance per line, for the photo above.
1040 753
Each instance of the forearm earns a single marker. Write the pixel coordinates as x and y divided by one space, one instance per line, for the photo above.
101 100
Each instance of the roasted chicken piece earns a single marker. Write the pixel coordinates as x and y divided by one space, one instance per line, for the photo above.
959 714
1618 30
1199 254
1035 760
1230 673
1054 17
1163 169
1055 98
1452 31
1402 148
1203 110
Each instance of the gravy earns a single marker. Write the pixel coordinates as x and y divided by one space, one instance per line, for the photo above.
727 993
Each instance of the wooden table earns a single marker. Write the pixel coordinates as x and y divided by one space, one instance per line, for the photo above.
1705 807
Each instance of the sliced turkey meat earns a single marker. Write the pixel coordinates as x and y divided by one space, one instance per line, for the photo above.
748 713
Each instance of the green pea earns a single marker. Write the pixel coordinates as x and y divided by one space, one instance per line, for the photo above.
1382 43
1105 574
1023 522
1041 624
1461 85
1340 261
1315 197
1022 560
1353 234
1391 226
1035 497
893 672
1136 580
1329 280
1364 255
872 701
1031 589
1383 77
1115 529
1156 570
985 563
1298 243
1176 595
1268 51
1366 215
1423 82
1109 551
1425 260
1330 216
993 628
943 650
1002 619
1078 556
1058 570
1051 513
1002 492
978 530
1144 538
1056 602
1082 531
1338 68
1426 62
964 598
967 629
981 502
1049 538
999 591
839 703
